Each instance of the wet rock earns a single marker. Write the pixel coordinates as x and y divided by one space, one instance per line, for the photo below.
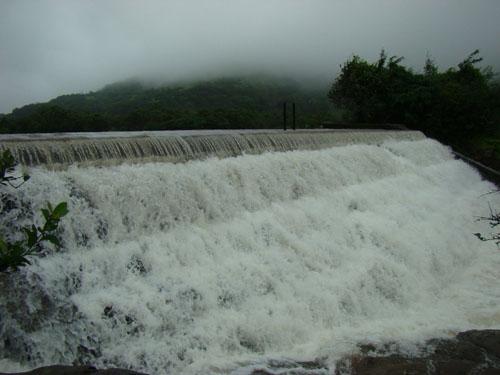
289 367
25 307
456 349
137 265
490 371
86 354
25 301
487 339
470 352
387 365
109 312
75 370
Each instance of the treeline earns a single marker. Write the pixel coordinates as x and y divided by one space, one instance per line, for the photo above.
222 103
453 106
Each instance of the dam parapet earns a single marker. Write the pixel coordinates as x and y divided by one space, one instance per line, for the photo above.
63 149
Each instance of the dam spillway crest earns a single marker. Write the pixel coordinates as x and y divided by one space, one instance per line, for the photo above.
240 253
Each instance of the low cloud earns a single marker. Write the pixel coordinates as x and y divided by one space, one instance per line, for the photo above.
51 47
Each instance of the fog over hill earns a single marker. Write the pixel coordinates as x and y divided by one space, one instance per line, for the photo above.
253 101
54 47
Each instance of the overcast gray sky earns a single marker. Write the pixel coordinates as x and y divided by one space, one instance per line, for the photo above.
53 47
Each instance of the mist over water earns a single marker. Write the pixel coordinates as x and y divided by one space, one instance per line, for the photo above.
214 266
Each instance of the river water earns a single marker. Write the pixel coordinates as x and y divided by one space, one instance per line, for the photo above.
227 265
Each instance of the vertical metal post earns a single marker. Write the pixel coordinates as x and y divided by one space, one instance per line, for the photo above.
293 115
284 116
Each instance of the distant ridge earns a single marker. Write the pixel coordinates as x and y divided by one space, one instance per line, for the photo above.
231 102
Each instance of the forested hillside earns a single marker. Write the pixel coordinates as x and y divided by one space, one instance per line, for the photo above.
254 102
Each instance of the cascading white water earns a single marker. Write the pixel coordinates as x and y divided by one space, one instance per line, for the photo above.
214 266
57 150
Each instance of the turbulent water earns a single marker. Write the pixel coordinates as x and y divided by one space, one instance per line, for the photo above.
60 150
227 265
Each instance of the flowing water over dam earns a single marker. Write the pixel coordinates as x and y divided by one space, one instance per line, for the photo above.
177 146
224 265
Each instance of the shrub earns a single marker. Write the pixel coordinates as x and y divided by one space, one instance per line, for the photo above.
451 105
15 254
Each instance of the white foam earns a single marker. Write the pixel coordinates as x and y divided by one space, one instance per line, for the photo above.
213 265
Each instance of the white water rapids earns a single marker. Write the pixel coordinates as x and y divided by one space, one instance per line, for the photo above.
218 266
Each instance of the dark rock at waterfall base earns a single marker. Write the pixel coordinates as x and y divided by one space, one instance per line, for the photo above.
76 370
471 352
488 340
273 367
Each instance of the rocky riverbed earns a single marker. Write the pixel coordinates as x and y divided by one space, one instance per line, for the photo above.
471 352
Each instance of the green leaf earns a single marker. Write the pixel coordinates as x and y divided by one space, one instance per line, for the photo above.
52 239
3 246
60 210
31 235
17 249
51 225
45 213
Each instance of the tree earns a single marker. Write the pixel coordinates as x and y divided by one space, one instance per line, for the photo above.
450 105
16 253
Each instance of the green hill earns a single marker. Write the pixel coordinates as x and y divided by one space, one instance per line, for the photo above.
248 102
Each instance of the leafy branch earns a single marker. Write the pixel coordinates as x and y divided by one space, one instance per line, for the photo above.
14 254
7 168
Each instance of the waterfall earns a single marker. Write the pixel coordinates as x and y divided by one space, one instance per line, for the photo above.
224 265
178 146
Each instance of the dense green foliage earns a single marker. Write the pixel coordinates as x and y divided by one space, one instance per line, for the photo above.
254 102
15 253
452 105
